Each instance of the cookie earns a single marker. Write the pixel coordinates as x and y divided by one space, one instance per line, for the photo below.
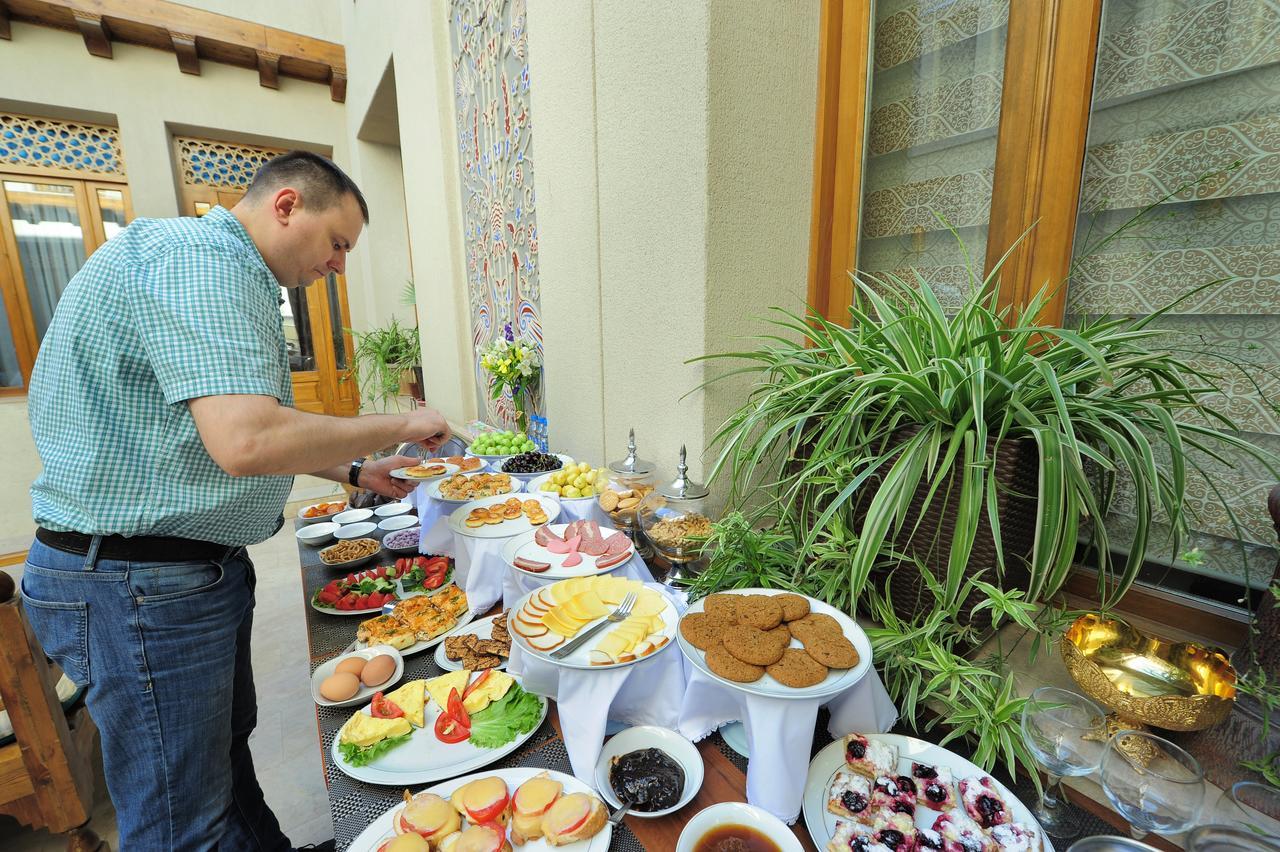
702 630
758 647
783 634
793 606
731 668
814 622
759 611
833 651
797 669
723 605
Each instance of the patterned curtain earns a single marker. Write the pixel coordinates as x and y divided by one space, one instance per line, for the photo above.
937 76
1186 117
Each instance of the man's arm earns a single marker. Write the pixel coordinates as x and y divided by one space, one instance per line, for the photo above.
375 476
250 435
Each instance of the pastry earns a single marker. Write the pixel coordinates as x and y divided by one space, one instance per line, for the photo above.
983 802
870 758
850 797
934 787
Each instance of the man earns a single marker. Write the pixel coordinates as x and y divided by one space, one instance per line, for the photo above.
161 406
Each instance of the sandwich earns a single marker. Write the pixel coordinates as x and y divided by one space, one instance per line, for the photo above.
574 817
533 798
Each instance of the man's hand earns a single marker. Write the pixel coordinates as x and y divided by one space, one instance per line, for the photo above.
376 476
427 428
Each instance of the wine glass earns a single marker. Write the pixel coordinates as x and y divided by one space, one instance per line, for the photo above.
1066 734
1152 783
1226 838
1250 805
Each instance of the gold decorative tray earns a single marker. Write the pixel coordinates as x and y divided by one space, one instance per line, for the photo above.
1177 686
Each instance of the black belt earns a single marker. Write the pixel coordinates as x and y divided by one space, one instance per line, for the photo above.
138 548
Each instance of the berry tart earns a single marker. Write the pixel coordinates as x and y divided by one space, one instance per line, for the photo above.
983 802
896 795
851 797
928 840
934 786
1015 837
853 837
870 758
896 832
961 834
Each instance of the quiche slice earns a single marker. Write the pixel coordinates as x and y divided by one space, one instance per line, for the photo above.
386 630
451 599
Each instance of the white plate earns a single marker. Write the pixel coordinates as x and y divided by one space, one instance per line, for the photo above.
350 531
318 518
580 659
527 477
433 488
390 510
400 593
382 830
398 522
535 485
400 473
836 681
363 695
822 824
525 546
515 526
351 564
352 516
738 813
422 645
424 758
410 549
665 740
317 534
482 628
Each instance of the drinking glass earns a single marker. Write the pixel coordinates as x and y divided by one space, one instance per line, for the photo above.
1066 734
1250 805
1152 783
1226 838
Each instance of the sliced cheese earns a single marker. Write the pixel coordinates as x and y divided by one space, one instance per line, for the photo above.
412 699
438 688
494 687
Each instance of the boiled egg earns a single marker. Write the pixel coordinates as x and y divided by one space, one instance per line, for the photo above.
378 670
355 665
339 686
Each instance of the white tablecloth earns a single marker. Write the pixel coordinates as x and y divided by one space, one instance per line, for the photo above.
517 584
780 731
644 693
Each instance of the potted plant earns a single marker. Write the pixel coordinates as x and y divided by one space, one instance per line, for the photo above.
892 450
387 362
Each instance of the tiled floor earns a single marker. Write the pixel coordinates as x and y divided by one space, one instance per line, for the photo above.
286 748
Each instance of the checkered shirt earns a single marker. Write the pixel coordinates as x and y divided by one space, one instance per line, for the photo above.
166 311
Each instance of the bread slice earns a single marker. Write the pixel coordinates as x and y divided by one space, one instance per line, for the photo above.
557 821
535 796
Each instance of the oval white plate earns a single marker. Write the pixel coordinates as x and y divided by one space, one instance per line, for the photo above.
432 488
515 526
836 681
822 824
318 518
390 510
317 534
381 829
352 516
420 645
526 477
424 758
738 813
526 547
665 740
581 659
535 486
363 695
401 473
398 522
351 531
482 628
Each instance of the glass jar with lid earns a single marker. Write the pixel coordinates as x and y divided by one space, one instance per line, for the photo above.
630 480
676 518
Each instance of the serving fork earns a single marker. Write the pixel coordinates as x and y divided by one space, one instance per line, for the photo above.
622 613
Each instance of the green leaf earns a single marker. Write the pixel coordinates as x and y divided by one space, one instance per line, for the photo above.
515 713
354 755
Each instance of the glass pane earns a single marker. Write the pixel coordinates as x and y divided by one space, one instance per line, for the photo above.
335 323
46 223
297 329
1184 125
10 370
937 76
111 206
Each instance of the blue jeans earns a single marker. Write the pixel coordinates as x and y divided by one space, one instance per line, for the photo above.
164 651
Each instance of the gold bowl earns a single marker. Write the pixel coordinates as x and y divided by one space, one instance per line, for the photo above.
1177 686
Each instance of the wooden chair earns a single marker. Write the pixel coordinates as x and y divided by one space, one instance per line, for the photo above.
47 774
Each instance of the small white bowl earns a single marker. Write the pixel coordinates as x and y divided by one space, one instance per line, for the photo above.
398 522
317 534
363 694
665 740
737 813
352 516
302 516
354 531
388 510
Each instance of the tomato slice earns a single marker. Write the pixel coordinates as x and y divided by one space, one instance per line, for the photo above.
448 730
381 708
475 684
456 711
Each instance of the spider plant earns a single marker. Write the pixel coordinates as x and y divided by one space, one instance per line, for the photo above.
1100 402
380 359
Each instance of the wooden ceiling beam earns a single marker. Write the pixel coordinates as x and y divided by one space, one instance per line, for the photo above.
95 31
188 57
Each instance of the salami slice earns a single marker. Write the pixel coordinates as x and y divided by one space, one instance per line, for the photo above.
617 543
531 565
610 560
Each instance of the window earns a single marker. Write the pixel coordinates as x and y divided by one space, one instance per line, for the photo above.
48 227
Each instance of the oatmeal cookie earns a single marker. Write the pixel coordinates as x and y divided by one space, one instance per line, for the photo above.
731 668
722 605
702 630
832 650
814 623
797 669
760 611
757 647
793 606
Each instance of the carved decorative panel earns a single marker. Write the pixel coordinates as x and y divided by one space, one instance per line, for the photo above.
221 164
91 148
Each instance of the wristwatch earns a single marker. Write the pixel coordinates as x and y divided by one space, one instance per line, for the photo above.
353 475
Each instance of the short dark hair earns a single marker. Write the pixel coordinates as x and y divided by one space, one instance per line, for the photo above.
321 181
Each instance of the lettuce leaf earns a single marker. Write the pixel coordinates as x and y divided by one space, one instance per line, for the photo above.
515 713
354 755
